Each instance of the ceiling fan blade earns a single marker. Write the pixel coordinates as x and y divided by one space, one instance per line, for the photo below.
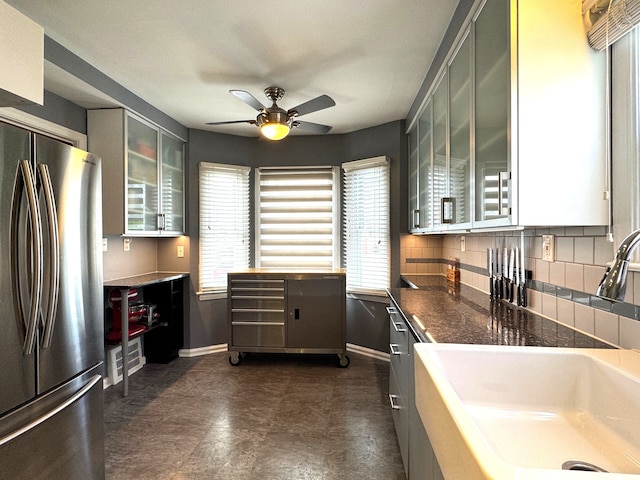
252 122
312 127
319 103
249 99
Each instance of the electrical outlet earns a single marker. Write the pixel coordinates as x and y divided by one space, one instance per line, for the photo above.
463 244
127 244
180 251
104 244
548 248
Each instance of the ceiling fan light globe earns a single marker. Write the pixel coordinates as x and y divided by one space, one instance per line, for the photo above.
274 130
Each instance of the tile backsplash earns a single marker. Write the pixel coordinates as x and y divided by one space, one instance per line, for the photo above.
562 290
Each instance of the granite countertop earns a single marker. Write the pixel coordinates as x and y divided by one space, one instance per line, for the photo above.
144 280
438 311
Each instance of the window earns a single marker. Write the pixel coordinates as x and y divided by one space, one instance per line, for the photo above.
366 225
224 223
297 218
625 136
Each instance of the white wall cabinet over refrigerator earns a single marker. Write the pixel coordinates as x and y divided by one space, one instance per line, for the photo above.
143 174
535 108
21 57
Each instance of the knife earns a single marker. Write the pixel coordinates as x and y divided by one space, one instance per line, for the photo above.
499 274
523 293
505 278
490 269
510 276
517 275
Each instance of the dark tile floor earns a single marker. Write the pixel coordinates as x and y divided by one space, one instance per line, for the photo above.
273 417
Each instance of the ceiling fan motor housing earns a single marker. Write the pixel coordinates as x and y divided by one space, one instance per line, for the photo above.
273 116
274 93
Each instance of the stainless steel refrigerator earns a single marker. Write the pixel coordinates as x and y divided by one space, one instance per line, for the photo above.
51 309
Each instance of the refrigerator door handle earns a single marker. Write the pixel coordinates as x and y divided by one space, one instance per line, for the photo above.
68 402
27 324
53 254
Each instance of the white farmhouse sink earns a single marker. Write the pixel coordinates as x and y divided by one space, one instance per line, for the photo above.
521 412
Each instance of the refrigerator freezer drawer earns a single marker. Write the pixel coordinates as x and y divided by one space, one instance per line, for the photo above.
57 436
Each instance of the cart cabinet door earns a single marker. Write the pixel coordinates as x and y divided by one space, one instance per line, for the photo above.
316 313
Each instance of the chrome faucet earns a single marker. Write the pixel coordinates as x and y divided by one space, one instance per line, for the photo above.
614 283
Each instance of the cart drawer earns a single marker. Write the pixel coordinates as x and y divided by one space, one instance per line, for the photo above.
259 303
255 315
251 334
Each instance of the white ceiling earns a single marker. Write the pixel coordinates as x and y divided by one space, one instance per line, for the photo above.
370 56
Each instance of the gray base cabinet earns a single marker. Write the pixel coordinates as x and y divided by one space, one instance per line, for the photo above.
278 312
417 454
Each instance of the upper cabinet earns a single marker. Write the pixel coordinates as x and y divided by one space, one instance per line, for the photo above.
142 174
21 57
517 138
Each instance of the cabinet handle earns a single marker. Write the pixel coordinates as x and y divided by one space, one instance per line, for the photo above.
502 176
416 219
396 326
394 349
161 221
447 201
392 402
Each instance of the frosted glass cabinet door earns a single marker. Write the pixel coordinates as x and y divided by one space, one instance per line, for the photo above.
142 176
172 181
460 135
492 83
440 194
414 220
425 182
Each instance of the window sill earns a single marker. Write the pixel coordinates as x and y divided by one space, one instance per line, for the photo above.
205 296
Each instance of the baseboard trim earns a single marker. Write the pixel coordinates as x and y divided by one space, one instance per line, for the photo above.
197 352
351 348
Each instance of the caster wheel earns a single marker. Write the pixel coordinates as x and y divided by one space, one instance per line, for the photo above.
344 361
234 358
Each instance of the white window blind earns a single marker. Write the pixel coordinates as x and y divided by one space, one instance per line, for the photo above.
616 19
366 225
224 223
297 217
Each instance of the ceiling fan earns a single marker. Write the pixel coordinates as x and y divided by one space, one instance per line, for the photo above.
274 122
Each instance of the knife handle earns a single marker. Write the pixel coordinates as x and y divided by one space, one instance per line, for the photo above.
491 290
510 291
523 300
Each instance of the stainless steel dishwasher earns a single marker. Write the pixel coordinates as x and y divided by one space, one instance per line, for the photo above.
287 312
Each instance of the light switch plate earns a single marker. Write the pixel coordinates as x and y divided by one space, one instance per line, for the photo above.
548 248
180 251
